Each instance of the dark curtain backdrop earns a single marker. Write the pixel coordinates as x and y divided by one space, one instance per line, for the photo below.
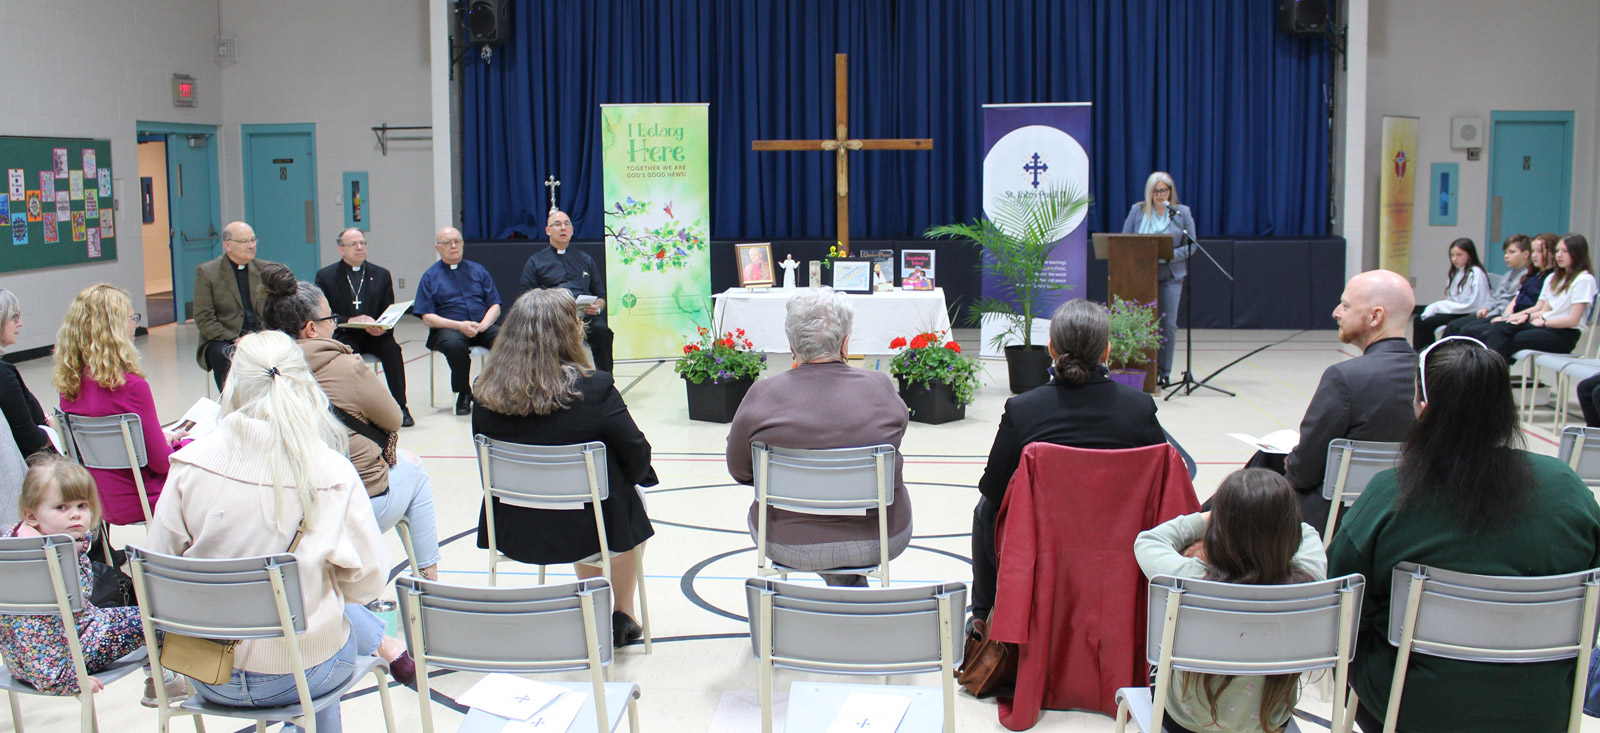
1206 89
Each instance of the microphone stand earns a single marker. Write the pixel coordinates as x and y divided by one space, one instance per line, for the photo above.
1188 384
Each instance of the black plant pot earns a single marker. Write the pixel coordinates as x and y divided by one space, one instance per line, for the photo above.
933 404
716 401
1029 367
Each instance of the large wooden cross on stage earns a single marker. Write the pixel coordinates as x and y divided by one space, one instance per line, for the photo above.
841 145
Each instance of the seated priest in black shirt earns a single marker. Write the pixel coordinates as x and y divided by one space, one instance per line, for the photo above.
358 292
226 291
457 300
559 266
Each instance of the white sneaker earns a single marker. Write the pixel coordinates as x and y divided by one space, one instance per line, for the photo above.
177 690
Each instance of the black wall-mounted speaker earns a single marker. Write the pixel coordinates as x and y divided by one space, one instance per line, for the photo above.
1305 17
488 22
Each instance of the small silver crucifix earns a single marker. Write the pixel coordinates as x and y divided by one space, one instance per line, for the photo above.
551 183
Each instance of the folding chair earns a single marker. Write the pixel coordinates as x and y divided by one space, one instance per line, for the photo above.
1491 619
245 598
1351 466
473 352
856 631
834 481
548 628
551 477
373 362
1581 453
1567 380
1206 627
107 442
1534 361
39 577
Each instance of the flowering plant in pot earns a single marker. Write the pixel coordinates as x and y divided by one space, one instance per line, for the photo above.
717 371
936 381
1135 333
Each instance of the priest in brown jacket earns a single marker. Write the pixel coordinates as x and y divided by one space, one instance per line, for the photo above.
823 403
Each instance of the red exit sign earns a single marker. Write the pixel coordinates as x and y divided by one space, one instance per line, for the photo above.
183 90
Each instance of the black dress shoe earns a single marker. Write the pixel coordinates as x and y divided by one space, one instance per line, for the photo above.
463 404
624 630
405 418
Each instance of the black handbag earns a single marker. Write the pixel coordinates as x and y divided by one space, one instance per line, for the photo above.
110 587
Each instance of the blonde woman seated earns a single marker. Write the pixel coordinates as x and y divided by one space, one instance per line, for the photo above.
276 464
537 388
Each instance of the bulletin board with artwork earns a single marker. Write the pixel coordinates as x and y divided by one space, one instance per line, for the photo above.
57 202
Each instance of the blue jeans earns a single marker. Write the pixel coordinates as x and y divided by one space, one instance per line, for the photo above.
259 690
1591 697
410 495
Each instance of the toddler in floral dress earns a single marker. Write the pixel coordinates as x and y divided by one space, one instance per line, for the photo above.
59 497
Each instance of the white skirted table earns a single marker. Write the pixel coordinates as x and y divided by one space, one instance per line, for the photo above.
880 317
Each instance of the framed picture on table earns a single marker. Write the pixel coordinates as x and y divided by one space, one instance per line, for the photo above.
853 275
755 264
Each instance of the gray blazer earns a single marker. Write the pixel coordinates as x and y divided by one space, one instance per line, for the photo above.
1178 267
1365 398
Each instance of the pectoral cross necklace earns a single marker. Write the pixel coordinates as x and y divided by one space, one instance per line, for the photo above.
358 288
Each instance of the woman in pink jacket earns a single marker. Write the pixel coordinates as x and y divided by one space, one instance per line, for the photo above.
97 374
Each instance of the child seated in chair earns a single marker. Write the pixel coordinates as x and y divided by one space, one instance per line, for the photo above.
1253 535
59 497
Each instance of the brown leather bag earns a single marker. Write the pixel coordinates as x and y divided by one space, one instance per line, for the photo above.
988 667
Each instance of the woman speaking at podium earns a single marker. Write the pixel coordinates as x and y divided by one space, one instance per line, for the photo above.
1160 213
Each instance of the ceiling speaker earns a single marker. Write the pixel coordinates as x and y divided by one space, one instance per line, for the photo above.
1305 17
488 22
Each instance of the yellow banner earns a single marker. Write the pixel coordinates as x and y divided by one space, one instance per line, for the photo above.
1398 174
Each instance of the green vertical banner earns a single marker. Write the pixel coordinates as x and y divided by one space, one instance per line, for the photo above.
657 179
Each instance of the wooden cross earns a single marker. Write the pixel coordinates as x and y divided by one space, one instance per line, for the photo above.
841 145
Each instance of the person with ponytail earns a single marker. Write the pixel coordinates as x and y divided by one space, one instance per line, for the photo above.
394 478
1465 497
1079 407
1555 324
275 466
1252 535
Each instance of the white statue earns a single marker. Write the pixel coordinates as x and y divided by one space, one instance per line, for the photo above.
788 264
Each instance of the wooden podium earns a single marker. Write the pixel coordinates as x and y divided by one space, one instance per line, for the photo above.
1132 261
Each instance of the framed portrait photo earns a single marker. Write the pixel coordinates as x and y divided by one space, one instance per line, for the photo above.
853 275
755 264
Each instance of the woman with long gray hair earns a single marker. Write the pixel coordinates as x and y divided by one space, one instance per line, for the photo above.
22 411
823 403
1080 408
538 388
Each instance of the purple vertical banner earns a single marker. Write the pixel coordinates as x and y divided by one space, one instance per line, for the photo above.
1029 148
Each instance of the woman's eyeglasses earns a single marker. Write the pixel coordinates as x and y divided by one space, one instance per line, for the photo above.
1422 359
136 318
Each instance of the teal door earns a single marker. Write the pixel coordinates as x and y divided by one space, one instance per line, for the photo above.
1530 176
280 194
191 196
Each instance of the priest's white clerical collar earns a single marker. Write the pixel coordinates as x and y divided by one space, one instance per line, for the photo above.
455 266
356 269
240 267
561 251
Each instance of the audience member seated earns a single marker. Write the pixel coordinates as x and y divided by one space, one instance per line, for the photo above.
1464 498
1541 263
12 469
273 478
22 411
537 388
1365 398
823 403
1253 535
1079 407
227 291
1518 253
1466 292
97 374
457 299
358 292
1557 322
561 266
394 479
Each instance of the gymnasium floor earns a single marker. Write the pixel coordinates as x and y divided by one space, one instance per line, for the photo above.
702 676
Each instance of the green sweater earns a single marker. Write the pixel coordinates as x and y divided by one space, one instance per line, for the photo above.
1557 532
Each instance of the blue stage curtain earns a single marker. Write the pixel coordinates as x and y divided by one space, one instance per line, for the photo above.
1208 90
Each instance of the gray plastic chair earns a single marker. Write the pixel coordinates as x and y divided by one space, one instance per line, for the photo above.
39 577
1581 453
473 352
1535 362
1492 619
549 628
1207 627
833 481
1351 466
107 442
245 598
564 477
856 631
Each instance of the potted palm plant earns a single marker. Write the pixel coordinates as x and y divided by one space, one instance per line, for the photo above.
1134 335
717 371
1017 241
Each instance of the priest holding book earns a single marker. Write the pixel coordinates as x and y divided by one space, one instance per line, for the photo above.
359 292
